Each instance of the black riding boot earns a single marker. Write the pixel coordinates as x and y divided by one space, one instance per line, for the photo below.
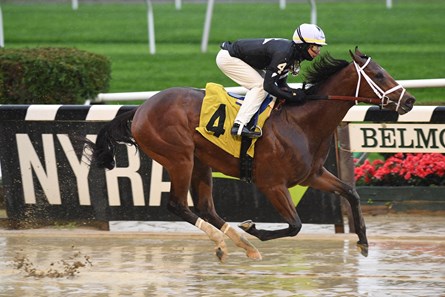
244 131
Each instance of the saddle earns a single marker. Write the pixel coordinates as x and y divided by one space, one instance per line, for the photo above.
218 112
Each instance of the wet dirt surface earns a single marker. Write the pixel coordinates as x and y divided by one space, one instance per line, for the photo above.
406 258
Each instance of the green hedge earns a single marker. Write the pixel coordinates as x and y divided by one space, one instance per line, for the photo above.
51 75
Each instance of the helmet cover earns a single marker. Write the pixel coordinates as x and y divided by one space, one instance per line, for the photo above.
309 33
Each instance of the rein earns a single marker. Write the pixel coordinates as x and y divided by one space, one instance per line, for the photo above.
375 101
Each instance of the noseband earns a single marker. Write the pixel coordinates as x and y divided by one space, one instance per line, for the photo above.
384 100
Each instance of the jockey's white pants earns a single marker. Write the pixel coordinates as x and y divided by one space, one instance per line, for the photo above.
247 77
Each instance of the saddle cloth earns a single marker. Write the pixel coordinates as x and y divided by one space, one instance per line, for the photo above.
218 113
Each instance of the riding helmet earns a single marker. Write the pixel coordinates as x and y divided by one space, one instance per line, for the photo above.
309 34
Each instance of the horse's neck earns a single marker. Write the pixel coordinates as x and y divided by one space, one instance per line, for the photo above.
321 116
330 113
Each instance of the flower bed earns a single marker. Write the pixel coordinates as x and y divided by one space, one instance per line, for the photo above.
403 170
403 182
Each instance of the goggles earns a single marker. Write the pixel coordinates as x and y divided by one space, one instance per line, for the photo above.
315 47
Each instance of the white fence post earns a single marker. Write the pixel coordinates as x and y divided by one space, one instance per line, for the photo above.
389 4
151 28
313 12
207 24
2 38
74 4
178 4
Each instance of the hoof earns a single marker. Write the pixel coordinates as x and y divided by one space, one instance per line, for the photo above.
220 254
363 248
246 225
254 255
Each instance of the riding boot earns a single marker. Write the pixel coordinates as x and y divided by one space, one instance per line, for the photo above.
241 130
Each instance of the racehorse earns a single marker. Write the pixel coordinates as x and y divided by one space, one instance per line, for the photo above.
291 151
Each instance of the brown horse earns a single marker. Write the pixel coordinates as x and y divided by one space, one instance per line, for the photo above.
292 150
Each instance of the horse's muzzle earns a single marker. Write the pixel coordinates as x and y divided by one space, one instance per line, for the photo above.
408 104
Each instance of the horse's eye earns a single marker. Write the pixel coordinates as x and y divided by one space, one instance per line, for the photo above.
379 76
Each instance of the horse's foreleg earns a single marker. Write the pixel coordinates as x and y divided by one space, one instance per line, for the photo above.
282 201
359 223
330 183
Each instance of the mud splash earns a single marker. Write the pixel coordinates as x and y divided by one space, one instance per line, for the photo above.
63 268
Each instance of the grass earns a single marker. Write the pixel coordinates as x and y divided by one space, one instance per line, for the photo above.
406 40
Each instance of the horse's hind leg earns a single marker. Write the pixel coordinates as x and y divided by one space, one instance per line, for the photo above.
180 171
201 188
281 199
330 183
177 204
160 127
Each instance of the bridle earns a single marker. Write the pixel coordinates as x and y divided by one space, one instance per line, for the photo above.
384 100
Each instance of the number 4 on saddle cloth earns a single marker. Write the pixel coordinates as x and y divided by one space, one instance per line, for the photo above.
218 113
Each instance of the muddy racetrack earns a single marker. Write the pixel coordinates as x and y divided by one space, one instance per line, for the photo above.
406 258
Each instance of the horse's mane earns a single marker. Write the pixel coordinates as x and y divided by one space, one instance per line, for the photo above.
321 70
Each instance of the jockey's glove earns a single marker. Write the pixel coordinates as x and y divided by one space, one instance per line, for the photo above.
298 96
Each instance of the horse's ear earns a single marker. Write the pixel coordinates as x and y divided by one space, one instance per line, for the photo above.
357 52
354 56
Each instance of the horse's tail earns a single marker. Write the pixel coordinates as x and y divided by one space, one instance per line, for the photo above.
114 132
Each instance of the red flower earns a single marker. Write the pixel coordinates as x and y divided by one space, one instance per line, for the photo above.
403 169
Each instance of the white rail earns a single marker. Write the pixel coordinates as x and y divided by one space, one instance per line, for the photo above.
107 97
423 83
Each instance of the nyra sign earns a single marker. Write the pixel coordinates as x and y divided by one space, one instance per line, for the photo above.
393 138
46 173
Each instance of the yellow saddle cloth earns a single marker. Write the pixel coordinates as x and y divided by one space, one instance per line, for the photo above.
218 113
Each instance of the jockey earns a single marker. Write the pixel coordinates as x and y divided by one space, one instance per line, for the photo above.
262 66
